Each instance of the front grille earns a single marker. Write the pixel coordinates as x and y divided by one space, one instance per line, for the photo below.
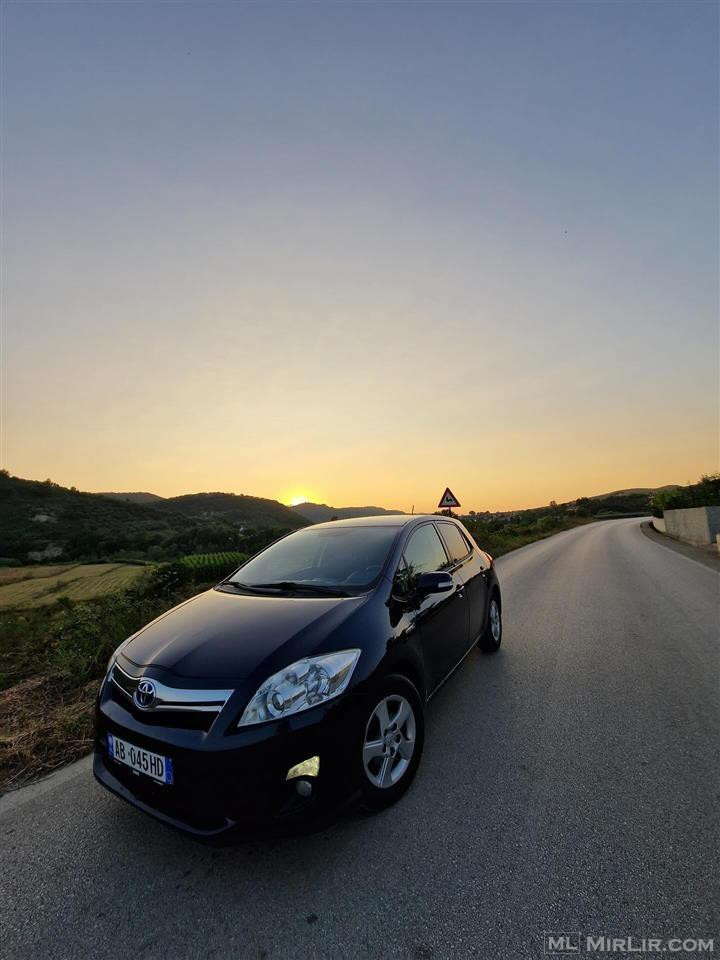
176 719
124 681
181 708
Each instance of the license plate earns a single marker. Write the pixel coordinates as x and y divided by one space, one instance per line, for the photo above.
140 760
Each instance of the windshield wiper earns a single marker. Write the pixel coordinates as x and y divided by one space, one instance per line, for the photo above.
241 586
299 585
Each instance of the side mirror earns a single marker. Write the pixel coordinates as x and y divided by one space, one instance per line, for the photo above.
434 583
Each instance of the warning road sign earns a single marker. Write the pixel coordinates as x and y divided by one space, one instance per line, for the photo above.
448 499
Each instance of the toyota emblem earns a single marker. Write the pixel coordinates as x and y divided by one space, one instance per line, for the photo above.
145 694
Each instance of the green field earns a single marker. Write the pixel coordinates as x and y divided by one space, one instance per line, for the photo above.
212 566
22 588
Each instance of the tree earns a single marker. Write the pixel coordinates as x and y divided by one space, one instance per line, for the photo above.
583 506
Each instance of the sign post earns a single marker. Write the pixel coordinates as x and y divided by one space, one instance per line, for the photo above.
448 500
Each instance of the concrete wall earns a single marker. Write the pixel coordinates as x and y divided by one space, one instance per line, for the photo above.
659 523
693 525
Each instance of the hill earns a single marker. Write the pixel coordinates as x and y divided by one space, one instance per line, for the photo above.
44 521
633 500
139 497
647 491
629 500
252 512
320 512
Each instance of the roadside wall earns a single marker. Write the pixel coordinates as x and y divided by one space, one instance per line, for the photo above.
693 525
659 523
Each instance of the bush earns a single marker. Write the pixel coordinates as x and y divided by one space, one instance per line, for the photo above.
498 537
704 493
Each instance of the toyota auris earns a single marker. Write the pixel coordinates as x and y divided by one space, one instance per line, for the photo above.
302 677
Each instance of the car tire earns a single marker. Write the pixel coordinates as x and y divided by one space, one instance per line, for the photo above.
492 636
391 743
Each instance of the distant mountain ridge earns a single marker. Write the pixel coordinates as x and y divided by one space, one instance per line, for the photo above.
41 520
321 512
234 507
139 497
45 521
629 491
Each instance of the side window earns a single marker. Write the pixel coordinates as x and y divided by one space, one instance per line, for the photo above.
424 553
402 585
457 545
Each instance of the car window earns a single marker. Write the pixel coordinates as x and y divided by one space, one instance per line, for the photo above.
402 585
454 541
424 553
327 556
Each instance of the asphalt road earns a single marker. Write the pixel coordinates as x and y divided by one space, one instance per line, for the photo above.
569 783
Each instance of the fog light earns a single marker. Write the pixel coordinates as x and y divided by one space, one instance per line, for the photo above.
308 768
304 788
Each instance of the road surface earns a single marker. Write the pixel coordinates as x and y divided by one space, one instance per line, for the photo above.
568 783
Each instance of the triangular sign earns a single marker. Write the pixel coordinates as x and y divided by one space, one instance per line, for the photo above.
448 499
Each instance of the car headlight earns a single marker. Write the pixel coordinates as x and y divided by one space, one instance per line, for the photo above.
302 685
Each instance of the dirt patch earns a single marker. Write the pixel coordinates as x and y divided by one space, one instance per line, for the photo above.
42 727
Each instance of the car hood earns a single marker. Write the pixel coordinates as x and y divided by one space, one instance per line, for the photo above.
229 636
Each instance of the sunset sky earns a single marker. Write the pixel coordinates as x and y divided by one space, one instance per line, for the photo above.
358 252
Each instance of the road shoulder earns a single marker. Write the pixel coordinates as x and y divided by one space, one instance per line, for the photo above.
16 798
707 556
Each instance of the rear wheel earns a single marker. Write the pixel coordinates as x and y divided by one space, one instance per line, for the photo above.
492 637
392 744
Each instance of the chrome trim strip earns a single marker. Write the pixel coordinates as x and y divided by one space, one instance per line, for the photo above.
119 686
177 698
117 666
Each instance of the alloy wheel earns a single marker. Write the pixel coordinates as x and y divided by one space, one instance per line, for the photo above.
389 741
495 621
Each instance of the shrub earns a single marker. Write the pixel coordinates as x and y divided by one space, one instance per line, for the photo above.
704 493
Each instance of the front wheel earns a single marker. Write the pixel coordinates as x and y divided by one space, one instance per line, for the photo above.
392 744
492 637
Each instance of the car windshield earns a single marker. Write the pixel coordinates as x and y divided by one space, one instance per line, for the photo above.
344 558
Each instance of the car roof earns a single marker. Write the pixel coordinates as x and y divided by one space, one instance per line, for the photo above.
381 520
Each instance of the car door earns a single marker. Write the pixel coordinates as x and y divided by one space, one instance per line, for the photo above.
440 621
470 565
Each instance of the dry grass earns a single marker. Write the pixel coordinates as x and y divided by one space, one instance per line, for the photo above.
14 574
42 727
22 588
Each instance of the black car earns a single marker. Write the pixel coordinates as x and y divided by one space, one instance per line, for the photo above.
301 677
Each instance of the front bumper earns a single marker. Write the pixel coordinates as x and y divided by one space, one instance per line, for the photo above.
225 776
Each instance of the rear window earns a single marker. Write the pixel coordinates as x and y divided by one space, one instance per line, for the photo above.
455 542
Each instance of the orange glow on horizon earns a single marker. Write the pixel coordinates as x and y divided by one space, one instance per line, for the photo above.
364 283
